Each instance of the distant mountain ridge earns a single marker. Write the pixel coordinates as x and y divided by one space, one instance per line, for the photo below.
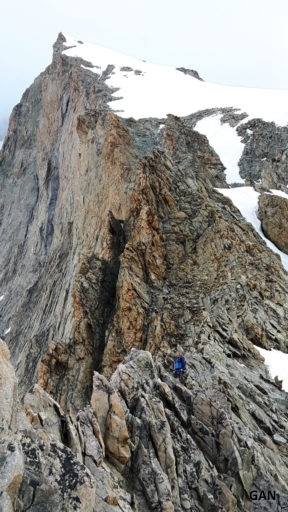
119 248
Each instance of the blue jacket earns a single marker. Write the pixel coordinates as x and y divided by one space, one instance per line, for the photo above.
179 364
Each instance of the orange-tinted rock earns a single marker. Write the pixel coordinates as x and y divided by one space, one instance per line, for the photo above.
273 213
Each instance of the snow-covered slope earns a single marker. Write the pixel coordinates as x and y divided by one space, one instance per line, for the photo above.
149 90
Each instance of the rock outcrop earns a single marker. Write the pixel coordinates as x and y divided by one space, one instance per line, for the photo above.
116 251
147 442
265 155
51 460
273 213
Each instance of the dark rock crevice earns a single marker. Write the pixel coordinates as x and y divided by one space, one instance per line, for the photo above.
52 188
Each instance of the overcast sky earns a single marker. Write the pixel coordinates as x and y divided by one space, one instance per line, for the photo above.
231 42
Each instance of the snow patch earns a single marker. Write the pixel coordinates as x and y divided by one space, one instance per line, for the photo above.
227 144
279 193
276 362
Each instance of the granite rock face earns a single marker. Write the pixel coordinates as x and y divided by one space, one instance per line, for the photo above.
116 251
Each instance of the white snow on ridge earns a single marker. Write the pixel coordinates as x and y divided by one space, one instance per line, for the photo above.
160 90
150 90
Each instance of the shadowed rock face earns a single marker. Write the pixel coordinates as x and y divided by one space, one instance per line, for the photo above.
116 251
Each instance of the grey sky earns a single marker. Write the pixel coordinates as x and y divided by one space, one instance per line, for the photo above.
226 41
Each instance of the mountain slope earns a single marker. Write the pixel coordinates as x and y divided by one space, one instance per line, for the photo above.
117 249
164 90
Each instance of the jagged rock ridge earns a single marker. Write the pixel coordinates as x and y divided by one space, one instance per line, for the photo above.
114 244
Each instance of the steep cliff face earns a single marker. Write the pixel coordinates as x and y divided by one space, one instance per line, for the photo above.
60 233
117 249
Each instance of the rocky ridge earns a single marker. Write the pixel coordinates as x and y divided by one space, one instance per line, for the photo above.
116 251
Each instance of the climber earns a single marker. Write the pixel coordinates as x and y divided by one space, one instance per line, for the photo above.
179 366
